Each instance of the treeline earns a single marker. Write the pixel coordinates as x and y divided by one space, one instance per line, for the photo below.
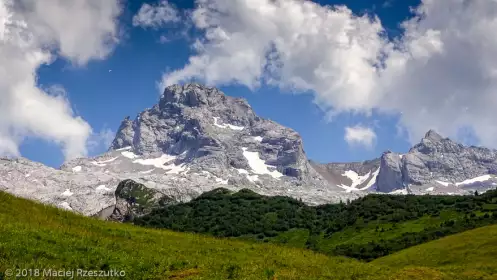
226 214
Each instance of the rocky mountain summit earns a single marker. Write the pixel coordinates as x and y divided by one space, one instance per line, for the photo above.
204 128
438 165
197 139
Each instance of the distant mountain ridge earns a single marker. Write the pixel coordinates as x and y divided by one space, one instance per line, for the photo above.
197 139
441 164
436 165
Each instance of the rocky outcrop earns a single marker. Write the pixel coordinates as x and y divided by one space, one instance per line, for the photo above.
134 199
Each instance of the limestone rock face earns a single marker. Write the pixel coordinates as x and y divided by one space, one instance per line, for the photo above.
211 130
390 175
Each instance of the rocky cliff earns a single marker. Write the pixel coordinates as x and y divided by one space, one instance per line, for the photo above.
207 130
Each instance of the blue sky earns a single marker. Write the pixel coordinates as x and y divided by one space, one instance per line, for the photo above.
125 82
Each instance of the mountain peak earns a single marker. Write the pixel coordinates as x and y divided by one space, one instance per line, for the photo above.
190 94
433 136
198 139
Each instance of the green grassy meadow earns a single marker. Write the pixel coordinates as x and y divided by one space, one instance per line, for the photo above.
36 236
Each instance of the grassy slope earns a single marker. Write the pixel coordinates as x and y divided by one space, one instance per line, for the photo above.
38 236
468 255
390 230
352 235
298 238
367 228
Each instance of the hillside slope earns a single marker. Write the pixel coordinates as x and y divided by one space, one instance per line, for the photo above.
366 228
468 255
34 236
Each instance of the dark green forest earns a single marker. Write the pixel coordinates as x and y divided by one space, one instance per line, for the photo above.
367 228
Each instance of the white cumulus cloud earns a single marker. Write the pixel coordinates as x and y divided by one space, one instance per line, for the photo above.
439 74
360 135
34 33
297 45
156 15
443 75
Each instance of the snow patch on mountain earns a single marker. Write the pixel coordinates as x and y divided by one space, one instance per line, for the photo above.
258 165
230 126
217 179
372 181
445 184
251 178
356 178
161 161
258 139
347 188
221 181
399 192
104 162
474 180
76 168
66 206
366 181
242 171
129 155
67 193
478 179
102 188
